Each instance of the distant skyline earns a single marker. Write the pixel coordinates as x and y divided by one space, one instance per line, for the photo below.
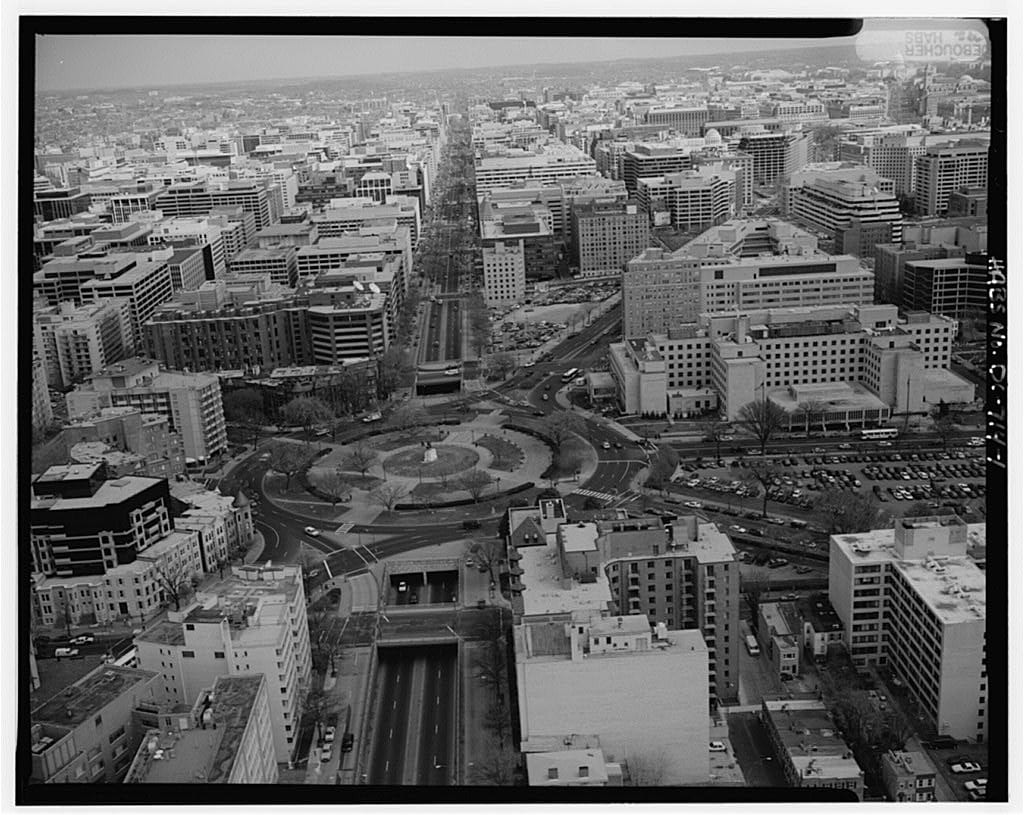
94 62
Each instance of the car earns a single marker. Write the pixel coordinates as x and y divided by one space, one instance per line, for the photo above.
940 743
885 444
347 741
803 569
737 528
265 457
717 746
693 504
452 372
314 572
83 639
529 364
544 397
327 753
777 562
414 598
403 586
978 795
374 417
976 784
471 523
618 445
965 767
65 652
958 760
845 446
329 734
312 531
606 446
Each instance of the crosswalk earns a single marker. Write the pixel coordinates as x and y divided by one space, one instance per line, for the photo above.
603 496
341 530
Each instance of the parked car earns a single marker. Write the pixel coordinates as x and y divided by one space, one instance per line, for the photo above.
471 523
83 639
327 753
65 652
312 531
976 785
717 746
966 767
347 741
329 734
606 446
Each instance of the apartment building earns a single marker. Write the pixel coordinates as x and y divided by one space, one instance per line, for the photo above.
253 621
87 734
806 745
686 577
691 200
908 776
192 402
78 340
570 677
606 235
943 170
504 273
147 437
226 738
145 284
910 598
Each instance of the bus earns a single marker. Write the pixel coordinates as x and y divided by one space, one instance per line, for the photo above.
570 375
752 647
879 433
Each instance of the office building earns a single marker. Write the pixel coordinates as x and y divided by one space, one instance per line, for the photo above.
145 285
389 239
192 402
253 621
807 747
689 121
861 238
197 198
690 201
968 202
891 260
715 156
953 287
279 262
929 629
294 234
686 577
743 263
199 231
829 196
570 679
350 214
49 205
553 162
606 235
145 437
652 160
42 410
944 170
87 733
774 154
226 738
504 273
908 776
125 204
62 278
532 228
78 340
188 268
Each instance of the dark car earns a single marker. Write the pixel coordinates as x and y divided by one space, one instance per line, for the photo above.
471 523
347 741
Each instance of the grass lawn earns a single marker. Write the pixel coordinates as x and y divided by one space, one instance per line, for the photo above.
402 438
450 460
506 455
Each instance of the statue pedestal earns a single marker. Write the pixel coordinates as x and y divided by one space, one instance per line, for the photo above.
429 455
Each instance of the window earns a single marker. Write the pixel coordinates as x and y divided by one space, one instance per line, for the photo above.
188 654
584 772
218 655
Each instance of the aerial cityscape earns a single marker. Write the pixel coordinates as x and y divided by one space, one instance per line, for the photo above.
592 422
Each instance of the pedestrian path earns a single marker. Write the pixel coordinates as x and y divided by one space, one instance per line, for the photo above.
603 496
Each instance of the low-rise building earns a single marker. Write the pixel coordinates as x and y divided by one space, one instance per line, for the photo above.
226 738
86 733
572 768
908 776
778 631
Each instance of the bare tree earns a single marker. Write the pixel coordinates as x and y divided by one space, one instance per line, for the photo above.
944 426
288 459
498 720
809 408
843 512
175 582
763 419
245 406
387 495
663 466
333 484
487 554
318 709
361 458
408 415
394 368
647 768
761 472
475 482
560 426
713 430
496 768
307 411
502 364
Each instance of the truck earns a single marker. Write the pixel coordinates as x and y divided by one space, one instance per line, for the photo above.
752 647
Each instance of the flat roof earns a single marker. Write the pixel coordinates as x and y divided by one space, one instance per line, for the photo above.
109 492
542 585
811 739
579 537
89 695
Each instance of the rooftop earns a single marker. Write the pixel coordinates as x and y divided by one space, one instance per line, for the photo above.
545 591
89 695
810 738
109 493
579 537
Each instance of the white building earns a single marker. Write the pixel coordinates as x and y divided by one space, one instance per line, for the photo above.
689 200
146 284
911 598
77 341
251 622
549 163
829 197
504 273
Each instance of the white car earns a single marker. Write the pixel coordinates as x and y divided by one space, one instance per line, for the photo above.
606 446
329 735
693 505
452 372
717 746
83 639
979 784
312 531
966 767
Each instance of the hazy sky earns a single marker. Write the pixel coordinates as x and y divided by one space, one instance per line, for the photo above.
74 62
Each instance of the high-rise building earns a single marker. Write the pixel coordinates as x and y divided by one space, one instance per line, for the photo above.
192 401
504 273
687 120
606 235
691 200
194 199
911 599
145 285
62 278
954 287
252 621
555 161
77 341
943 170
278 261
775 154
652 160
49 205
